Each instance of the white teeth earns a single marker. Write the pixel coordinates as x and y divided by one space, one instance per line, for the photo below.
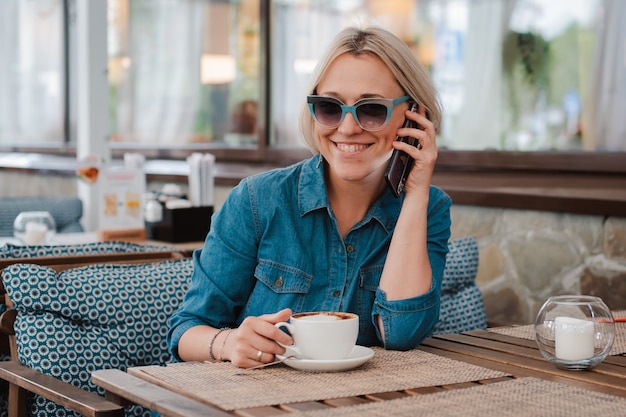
351 147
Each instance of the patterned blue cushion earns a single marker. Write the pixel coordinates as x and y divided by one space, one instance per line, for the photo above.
96 248
94 317
462 305
8 251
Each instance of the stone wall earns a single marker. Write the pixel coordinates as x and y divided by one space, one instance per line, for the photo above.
527 256
14 183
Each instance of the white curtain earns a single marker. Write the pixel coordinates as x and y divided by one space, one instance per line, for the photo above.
31 74
159 102
478 125
607 102
8 84
300 37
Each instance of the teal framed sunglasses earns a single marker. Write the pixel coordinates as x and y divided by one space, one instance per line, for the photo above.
369 113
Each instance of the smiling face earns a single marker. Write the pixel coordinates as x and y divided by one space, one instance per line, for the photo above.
354 154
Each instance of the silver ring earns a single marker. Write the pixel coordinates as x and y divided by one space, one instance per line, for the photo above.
259 355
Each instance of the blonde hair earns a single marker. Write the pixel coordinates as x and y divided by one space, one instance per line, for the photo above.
395 54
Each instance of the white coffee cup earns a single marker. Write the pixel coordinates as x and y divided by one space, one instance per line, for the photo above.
322 335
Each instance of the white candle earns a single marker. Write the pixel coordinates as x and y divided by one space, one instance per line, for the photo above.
573 338
35 233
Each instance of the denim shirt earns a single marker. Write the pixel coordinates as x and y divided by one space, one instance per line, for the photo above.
275 244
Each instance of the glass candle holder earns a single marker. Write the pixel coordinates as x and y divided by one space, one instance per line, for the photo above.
574 332
34 227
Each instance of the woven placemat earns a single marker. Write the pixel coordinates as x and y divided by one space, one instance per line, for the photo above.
524 397
528 332
219 383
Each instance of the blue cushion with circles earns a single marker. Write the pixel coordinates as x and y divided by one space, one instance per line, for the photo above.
94 317
96 248
462 306
8 251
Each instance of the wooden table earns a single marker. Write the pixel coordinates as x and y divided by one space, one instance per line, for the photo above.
522 358
517 358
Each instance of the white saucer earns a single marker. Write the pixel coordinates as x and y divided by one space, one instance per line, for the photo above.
359 355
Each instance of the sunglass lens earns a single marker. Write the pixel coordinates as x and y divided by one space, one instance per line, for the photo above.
371 116
327 113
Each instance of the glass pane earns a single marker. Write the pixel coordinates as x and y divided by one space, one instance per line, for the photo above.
511 74
32 72
301 31
184 72
519 78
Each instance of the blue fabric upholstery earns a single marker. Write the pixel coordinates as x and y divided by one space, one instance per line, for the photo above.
8 251
462 305
66 211
95 317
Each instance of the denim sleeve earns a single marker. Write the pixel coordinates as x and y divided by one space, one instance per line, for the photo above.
223 274
406 323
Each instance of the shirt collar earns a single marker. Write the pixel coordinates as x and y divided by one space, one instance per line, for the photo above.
311 186
312 195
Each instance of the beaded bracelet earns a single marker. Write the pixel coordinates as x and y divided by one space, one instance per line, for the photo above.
212 357
224 344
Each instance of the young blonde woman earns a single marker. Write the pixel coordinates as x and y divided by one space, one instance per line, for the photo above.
327 233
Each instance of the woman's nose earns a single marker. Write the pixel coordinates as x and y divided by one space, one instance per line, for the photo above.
349 126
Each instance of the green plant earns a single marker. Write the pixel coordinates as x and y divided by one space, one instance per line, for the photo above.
526 62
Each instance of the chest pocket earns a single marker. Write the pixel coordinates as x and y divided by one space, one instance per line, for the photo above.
283 279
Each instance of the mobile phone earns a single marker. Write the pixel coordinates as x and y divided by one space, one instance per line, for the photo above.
401 163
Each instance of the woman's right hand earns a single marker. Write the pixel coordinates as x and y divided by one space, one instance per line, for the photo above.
425 156
257 334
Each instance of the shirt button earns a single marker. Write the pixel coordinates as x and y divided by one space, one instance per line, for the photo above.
279 282
349 249
336 293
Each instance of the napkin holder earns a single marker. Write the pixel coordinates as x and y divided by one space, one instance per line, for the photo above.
189 224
